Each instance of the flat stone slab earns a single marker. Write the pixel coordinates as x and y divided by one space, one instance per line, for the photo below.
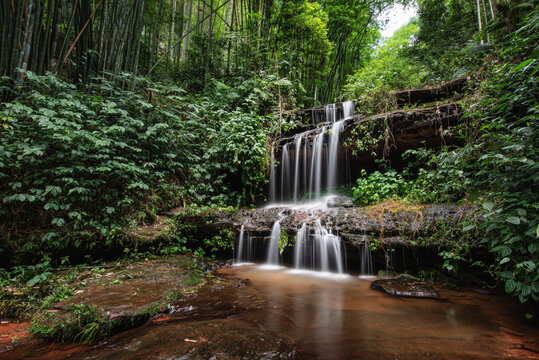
136 287
121 297
405 286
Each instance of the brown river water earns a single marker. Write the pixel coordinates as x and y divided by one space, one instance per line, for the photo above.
252 313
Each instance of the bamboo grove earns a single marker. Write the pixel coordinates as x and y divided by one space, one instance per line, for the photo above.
316 44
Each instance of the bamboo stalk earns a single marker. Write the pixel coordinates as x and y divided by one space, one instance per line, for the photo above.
25 34
81 31
17 32
177 42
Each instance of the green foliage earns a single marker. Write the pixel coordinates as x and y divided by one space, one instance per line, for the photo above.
233 139
445 29
283 241
389 69
80 322
509 115
76 162
442 178
366 136
222 241
378 186
497 167
80 166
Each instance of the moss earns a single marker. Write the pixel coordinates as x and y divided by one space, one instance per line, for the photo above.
393 206
193 278
79 322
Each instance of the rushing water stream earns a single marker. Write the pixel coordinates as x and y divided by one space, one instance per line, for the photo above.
281 314
307 168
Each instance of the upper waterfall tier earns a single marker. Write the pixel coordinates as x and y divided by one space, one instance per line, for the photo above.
312 161
311 165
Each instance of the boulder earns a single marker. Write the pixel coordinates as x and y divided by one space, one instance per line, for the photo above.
405 285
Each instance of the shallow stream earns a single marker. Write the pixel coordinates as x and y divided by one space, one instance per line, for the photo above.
250 312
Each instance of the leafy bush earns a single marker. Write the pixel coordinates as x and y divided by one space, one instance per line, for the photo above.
379 186
508 166
75 162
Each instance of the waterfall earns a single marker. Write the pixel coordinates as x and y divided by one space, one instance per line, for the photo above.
321 250
366 260
305 163
331 112
273 246
348 109
316 164
310 165
329 249
299 246
239 252
296 170
333 161
272 177
285 176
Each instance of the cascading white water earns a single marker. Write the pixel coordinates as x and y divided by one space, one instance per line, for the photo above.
331 112
272 182
299 246
305 164
273 246
312 165
366 260
285 173
333 161
329 247
239 252
296 168
348 109
316 164
309 167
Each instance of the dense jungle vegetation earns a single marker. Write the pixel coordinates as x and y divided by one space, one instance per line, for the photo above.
114 111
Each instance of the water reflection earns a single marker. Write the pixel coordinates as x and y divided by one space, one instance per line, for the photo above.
284 314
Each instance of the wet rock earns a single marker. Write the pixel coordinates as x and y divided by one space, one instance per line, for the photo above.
405 285
426 95
386 274
121 298
340 202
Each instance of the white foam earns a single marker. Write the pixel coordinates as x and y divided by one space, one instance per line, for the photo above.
368 277
271 267
243 264
320 274
319 204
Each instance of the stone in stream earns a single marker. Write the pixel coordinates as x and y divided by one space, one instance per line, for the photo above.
405 285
